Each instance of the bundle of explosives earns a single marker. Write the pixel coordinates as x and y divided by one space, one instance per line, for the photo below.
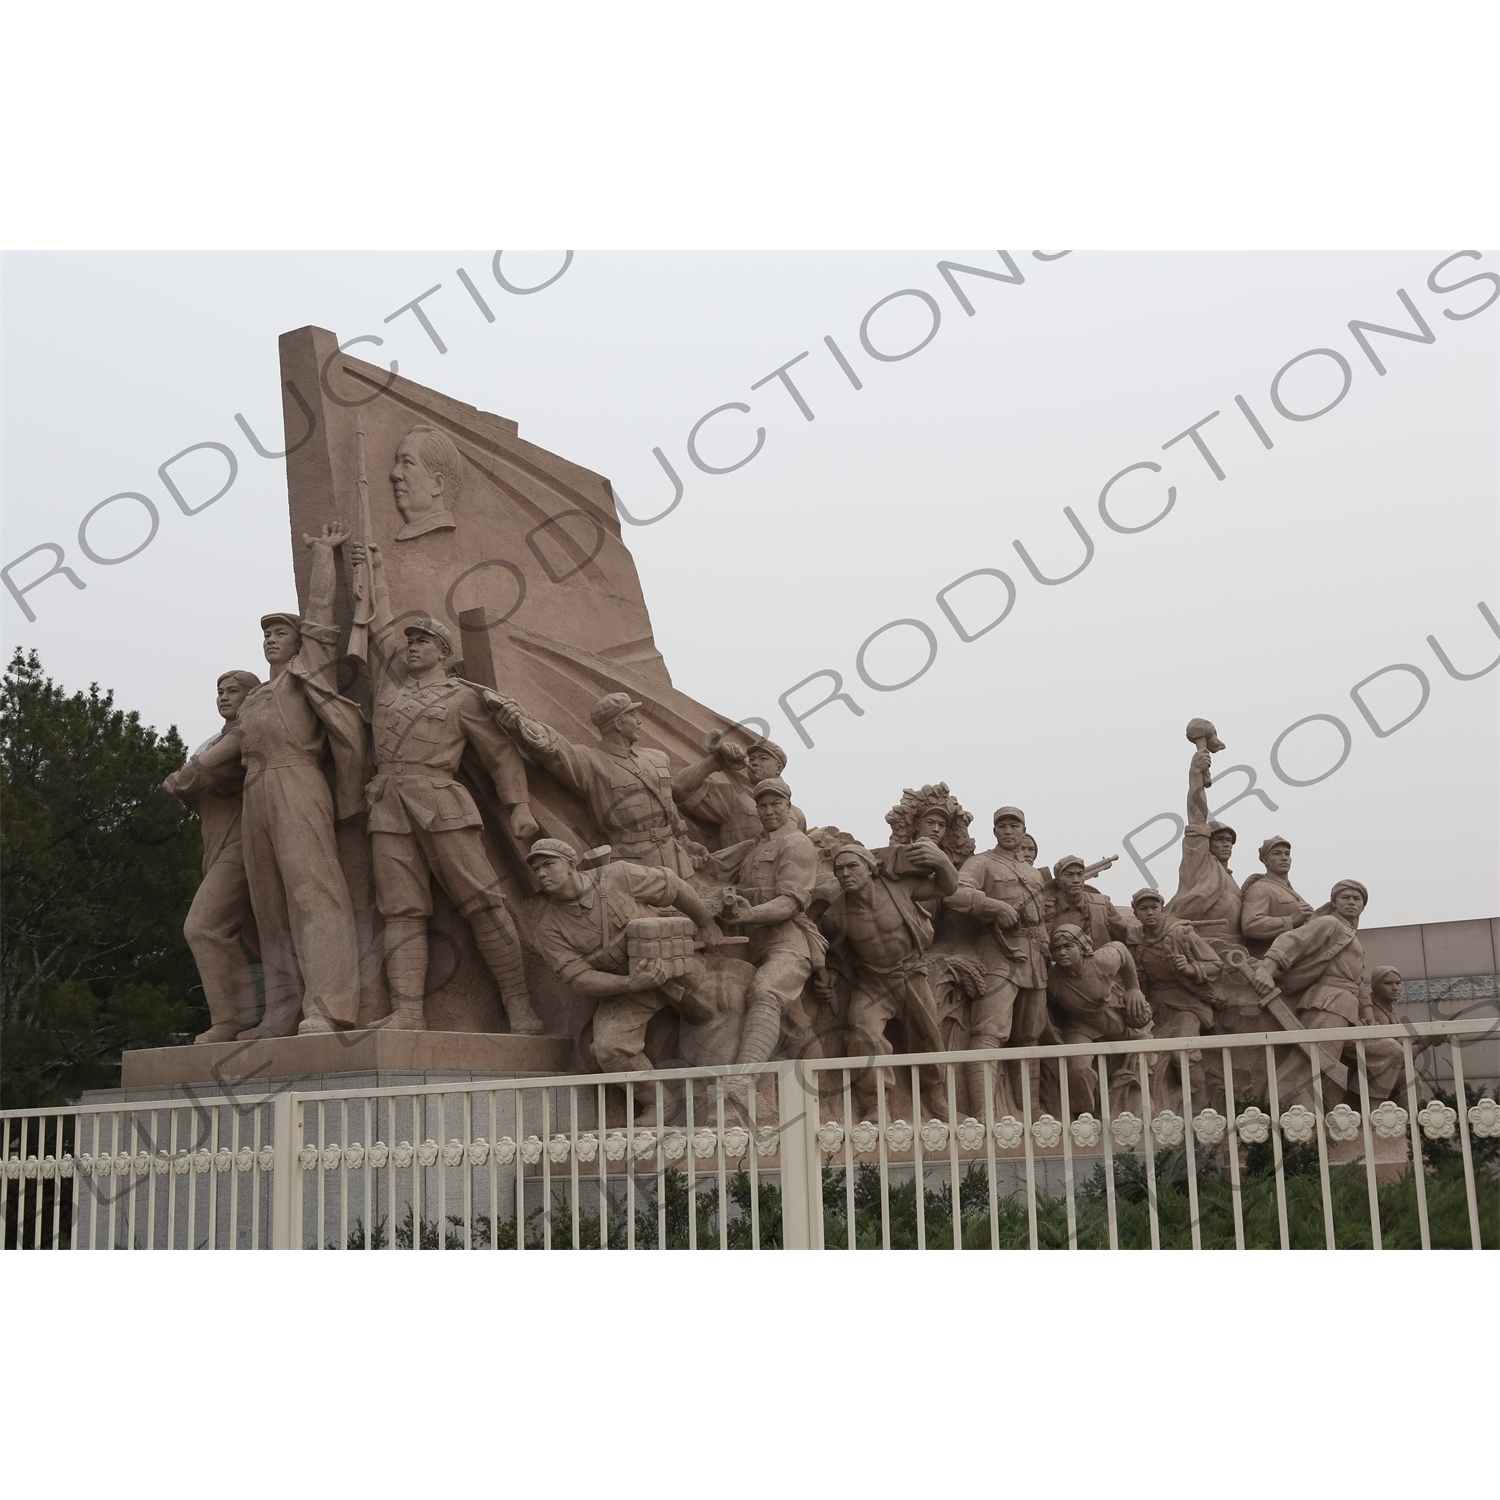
667 940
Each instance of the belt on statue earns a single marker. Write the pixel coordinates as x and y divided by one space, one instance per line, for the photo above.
410 768
281 763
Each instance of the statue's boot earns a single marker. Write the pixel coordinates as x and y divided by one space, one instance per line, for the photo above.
500 948
228 1031
405 975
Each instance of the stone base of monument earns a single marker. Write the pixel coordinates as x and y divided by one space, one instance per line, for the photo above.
339 1060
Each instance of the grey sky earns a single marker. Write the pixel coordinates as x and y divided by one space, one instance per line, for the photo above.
1259 600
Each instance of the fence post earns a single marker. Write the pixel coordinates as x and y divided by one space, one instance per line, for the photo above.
286 1177
801 1224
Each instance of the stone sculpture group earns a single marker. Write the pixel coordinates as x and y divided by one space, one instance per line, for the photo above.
693 916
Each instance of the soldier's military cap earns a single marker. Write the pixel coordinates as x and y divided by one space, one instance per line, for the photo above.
610 707
1011 812
1267 845
772 786
553 849
1146 893
1065 861
435 628
295 621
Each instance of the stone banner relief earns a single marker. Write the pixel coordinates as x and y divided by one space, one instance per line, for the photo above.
466 798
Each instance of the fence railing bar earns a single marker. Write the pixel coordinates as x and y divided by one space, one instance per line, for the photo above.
951 1079
884 1160
1460 1098
1232 1147
987 1072
1148 1145
1314 1056
1027 1122
753 1150
1106 1136
918 1159
1190 1146
1276 1163
1067 1145
1371 1185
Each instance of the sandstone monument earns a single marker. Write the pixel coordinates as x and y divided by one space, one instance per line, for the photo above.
468 802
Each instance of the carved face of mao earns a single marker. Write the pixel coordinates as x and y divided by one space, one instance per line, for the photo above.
419 492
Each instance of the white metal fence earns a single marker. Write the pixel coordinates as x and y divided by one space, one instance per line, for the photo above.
782 1156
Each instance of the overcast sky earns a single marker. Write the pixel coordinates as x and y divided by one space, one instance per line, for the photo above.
1259 600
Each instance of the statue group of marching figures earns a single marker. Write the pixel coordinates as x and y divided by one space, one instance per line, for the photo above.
712 899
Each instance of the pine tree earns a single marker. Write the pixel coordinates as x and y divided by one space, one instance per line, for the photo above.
97 869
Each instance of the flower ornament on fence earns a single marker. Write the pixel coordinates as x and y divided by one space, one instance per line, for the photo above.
223 1159
49 1167
767 1140
615 1145
478 1151
1484 1118
427 1152
645 1145
13 1166
202 1162
244 1160
1046 1132
331 1157
32 1168
736 1142
162 1163
934 1136
505 1151
1343 1123
674 1145
705 1143
830 1137
453 1152
65 1166
588 1146
899 1136
1127 1129
1298 1124
1210 1127
1168 1129
1254 1126
403 1155
1389 1120
1086 1131
865 1137
531 1150
1437 1120
970 1134
558 1149
379 1154
307 1157
182 1163
1009 1132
